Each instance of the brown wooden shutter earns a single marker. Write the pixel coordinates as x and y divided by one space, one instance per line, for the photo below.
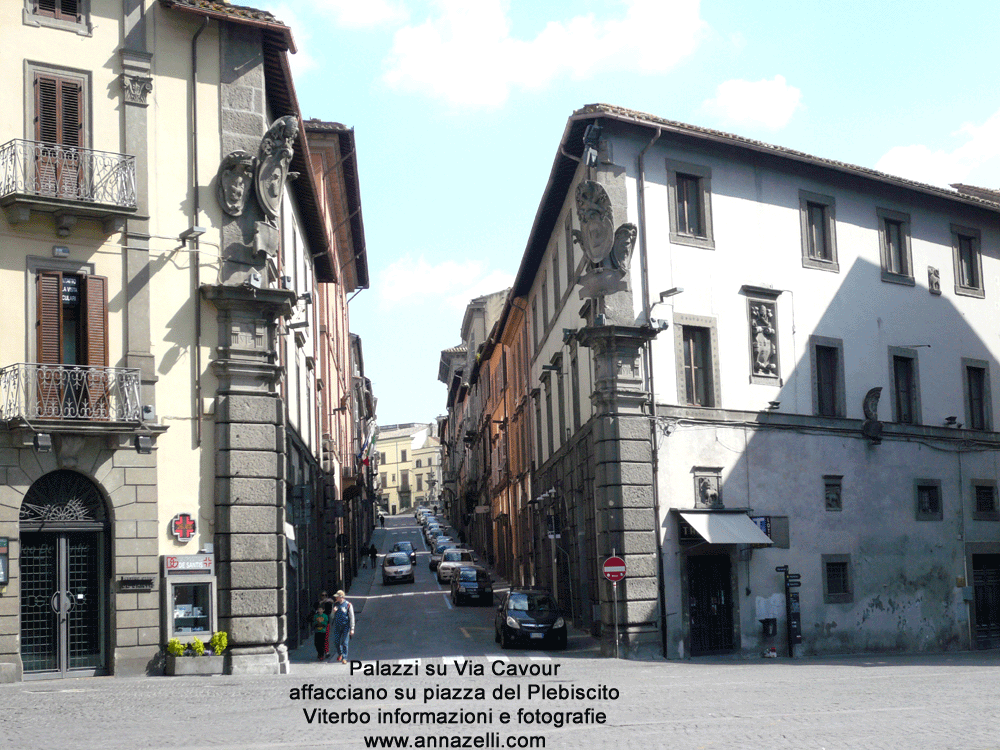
47 118
95 320
49 324
59 110
47 7
69 10
71 114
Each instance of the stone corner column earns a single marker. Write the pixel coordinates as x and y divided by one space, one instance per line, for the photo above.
626 519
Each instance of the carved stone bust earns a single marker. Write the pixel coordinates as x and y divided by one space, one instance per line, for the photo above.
235 182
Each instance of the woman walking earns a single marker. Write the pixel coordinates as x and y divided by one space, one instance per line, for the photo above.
343 625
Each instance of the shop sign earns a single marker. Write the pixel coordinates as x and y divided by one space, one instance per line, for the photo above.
188 564
135 584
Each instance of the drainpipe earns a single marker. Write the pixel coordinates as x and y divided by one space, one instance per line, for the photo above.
195 253
648 345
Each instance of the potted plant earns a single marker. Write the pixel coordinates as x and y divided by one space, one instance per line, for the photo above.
195 658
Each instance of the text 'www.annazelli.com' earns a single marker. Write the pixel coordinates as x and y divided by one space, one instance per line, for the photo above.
486 740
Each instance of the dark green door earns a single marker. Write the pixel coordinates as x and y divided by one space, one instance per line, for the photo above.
710 606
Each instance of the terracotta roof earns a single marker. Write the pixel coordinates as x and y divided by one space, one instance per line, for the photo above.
239 13
979 192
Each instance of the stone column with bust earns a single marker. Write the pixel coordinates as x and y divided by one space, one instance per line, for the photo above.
623 488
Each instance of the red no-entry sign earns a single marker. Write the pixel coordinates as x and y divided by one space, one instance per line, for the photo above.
614 569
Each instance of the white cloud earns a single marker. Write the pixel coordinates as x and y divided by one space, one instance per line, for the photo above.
362 14
451 284
976 160
767 103
465 54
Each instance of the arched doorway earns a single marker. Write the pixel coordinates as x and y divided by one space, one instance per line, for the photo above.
64 572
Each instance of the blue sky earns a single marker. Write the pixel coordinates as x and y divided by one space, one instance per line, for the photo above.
458 107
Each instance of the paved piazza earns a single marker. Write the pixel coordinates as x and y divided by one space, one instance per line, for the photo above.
949 701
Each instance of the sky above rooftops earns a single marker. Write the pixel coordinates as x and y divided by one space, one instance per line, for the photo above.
458 108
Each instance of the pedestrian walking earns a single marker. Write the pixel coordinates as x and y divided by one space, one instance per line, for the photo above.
364 557
343 625
321 627
326 603
381 520
373 553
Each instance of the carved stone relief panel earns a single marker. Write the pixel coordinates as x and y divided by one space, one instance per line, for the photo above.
248 335
763 332
235 182
707 487
136 88
933 280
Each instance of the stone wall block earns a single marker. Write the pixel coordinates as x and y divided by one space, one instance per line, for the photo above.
248 630
250 519
641 566
138 618
140 476
252 546
247 408
636 496
125 637
247 491
9 457
133 459
148 565
252 603
125 529
148 636
136 547
639 542
259 437
624 473
249 575
259 464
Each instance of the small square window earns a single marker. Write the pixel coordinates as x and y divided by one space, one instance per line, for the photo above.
928 498
833 492
838 587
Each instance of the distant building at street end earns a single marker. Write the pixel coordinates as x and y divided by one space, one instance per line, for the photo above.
409 466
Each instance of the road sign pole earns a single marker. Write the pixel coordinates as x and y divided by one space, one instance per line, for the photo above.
614 593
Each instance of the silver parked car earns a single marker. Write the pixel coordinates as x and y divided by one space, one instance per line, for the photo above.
396 567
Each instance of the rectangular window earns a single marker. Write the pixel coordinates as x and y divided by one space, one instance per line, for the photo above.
894 241
697 366
419 464
545 305
827 371
696 349
689 193
838 586
59 116
556 290
968 262
574 370
548 418
928 498
904 389
819 237
570 265
833 492
72 325
978 409
420 483
986 501
61 14
534 324
402 456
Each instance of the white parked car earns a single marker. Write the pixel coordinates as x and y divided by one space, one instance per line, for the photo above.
451 561
397 567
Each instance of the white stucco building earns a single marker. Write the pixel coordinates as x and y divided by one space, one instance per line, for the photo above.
729 389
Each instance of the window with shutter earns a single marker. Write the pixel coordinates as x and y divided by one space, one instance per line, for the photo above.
64 10
59 125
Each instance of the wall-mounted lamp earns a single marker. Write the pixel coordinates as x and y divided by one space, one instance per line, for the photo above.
143 444
670 293
43 442
192 233
307 298
568 334
951 422
773 405
551 368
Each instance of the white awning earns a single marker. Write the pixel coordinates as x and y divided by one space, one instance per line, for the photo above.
726 528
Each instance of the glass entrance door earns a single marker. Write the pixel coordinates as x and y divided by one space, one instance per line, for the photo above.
62 603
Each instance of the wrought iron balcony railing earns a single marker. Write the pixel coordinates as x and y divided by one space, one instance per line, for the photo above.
31 393
66 173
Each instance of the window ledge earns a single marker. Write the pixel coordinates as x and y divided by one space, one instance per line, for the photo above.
83 28
897 278
830 266
691 240
969 291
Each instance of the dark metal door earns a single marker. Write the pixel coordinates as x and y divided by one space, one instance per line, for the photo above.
710 606
986 583
62 603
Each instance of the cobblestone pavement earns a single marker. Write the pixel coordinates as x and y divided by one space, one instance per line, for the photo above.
853 703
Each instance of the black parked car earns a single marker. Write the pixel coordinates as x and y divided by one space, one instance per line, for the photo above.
471 582
406 547
530 616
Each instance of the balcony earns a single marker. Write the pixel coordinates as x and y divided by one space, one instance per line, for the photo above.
70 398
68 182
